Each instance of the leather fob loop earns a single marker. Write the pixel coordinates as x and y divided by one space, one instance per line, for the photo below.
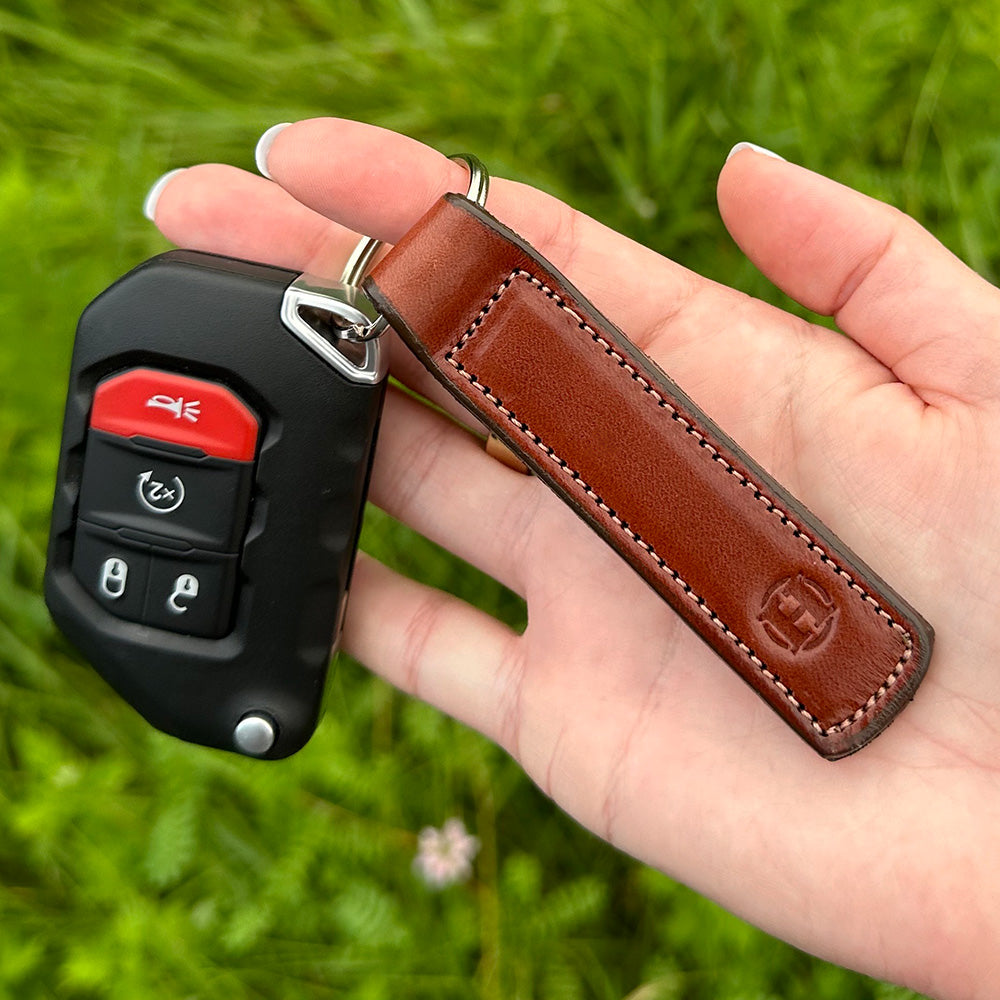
826 643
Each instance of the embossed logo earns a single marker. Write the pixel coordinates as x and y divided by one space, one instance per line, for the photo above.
798 614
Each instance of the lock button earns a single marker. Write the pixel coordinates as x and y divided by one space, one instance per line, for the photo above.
113 571
190 592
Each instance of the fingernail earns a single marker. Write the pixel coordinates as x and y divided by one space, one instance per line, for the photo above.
149 205
264 144
757 149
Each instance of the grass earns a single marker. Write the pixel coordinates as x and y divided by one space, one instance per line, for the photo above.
134 866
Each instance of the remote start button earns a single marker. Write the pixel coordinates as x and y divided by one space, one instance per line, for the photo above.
145 402
132 484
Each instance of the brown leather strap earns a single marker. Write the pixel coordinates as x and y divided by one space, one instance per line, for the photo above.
828 645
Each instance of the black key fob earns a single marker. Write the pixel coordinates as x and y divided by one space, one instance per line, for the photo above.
217 443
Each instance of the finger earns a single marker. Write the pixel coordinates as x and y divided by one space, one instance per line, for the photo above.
892 286
437 478
431 645
221 209
708 337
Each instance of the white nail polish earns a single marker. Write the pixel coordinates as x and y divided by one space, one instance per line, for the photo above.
149 205
264 144
757 149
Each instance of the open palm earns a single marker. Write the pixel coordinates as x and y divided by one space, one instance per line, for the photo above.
884 861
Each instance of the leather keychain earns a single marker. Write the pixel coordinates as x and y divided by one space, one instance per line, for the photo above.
826 643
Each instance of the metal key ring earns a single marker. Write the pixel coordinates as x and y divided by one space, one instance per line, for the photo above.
364 253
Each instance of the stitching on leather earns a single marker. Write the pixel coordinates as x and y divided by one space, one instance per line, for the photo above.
744 481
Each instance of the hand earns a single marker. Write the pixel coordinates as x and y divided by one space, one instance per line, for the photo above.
890 434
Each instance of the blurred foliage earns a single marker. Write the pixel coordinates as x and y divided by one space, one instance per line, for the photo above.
134 866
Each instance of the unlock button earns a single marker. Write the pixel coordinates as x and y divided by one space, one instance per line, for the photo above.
185 591
190 592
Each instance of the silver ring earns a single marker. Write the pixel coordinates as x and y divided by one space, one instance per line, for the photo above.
364 253
479 177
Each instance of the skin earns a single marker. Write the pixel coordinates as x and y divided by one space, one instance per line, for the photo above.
882 862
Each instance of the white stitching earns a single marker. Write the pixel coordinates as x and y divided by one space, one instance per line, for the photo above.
744 481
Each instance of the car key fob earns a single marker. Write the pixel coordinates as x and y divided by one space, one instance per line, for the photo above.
216 449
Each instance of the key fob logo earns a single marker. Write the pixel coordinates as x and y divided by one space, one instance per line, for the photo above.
158 496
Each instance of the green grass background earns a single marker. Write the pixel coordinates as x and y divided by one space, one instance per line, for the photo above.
133 866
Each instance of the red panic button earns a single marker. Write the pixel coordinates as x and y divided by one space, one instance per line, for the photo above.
149 403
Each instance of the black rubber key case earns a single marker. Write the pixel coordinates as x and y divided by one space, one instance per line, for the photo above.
215 456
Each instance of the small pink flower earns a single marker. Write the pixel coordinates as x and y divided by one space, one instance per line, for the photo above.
444 857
